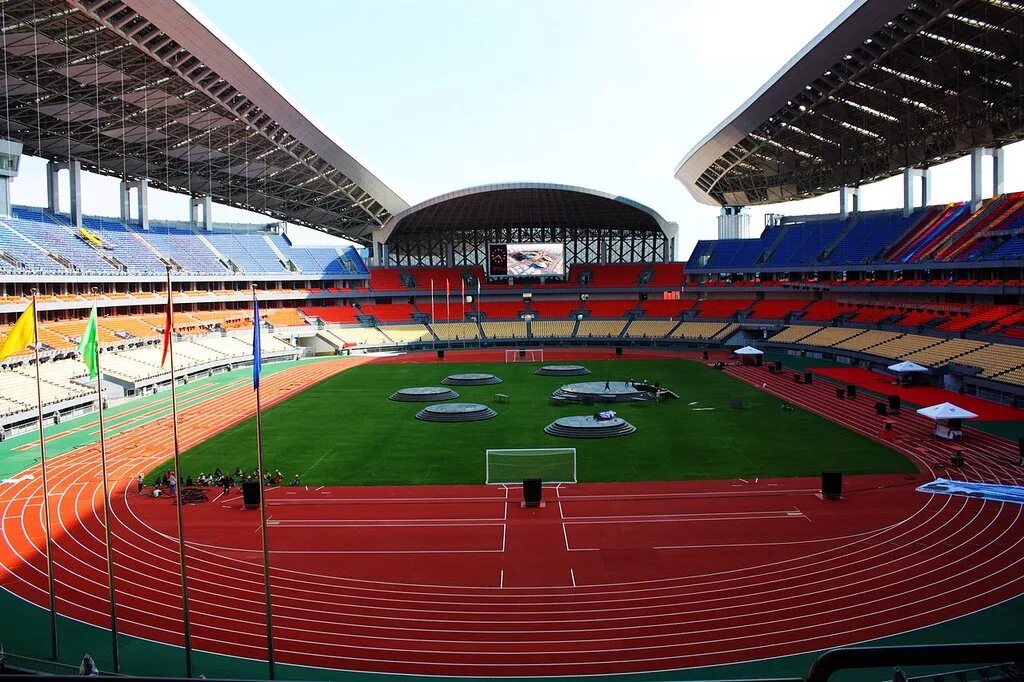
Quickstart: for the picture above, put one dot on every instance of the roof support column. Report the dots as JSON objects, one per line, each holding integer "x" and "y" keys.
{"x": 601, "y": 250}
{"x": 449, "y": 255}
{"x": 141, "y": 187}
{"x": 909, "y": 174}
{"x": 10, "y": 161}
{"x": 849, "y": 201}
{"x": 194, "y": 204}
{"x": 978, "y": 155}
{"x": 74, "y": 169}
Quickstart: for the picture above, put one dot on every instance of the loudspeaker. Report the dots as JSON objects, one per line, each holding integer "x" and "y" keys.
{"x": 851, "y": 391}
{"x": 251, "y": 493}
{"x": 531, "y": 492}
{"x": 618, "y": 351}
{"x": 807, "y": 377}
{"x": 881, "y": 409}
{"x": 440, "y": 355}
{"x": 894, "y": 403}
{"x": 831, "y": 484}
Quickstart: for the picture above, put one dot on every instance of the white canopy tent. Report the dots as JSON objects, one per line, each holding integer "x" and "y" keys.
{"x": 907, "y": 366}
{"x": 748, "y": 350}
{"x": 947, "y": 418}
{"x": 946, "y": 411}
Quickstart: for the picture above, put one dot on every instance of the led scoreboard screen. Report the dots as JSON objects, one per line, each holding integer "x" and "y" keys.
{"x": 526, "y": 260}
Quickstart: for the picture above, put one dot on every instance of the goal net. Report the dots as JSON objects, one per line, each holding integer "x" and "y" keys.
{"x": 525, "y": 355}
{"x": 551, "y": 465}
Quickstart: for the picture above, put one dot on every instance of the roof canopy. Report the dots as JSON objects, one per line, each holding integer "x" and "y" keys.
{"x": 540, "y": 206}
{"x": 946, "y": 411}
{"x": 149, "y": 89}
{"x": 889, "y": 84}
{"x": 748, "y": 350}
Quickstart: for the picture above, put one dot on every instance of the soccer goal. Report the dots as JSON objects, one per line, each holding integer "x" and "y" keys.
{"x": 525, "y": 355}
{"x": 551, "y": 465}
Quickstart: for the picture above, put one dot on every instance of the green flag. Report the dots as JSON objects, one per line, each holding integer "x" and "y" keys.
{"x": 87, "y": 347}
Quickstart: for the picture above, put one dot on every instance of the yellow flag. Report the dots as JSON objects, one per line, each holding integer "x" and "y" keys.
{"x": 22, "y": 333}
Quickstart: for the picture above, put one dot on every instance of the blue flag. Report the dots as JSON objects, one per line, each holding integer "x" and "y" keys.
{"x": 257, "y": 365}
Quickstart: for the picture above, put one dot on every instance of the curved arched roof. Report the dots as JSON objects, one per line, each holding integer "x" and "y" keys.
{"x": 889, "y": 84}
{"x": 523, "y": 204}
{"x": 151, "y": 89}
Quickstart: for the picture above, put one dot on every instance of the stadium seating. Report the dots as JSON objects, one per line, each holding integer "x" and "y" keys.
{"x": 722, "y": 307}
{"x": 600, "y": 328}
{"x": 386, "y": 279}
{"x": 671, "y": 308}
{"x": 606, "y": 308}
{"x": 406, "y": 333}
{"x": 557, "y": 329}
{"x": 651, "y": 329}
{"x": 499, "y": 310}
{"x": 776, "y": 309}
{"x": 553, "y": 310}
{"x": 701, "y": 330}
{"x": 504, "y": 330}
{"x": 338, "y": 314}
{"x": 616, "y": 275}
{"x": 389, "y": 312}
{"x": 451, "y": 331}
{"x": 667, "y": 275}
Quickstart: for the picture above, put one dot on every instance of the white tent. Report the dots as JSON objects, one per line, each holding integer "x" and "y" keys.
{"x": 748, "y": 350}
{"x": 907, "y": 366}
{"x": 946, "y": 411}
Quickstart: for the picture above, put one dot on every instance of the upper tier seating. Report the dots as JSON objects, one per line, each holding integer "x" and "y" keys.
{"x": 386, "y": 279}
{"x": 805, "y": 239}
{"x": 666, "y": 307}
{"x": 868, "y": 235}
{"x": 553, "y": 310}
{"x": 336, "y": 314}
{"x": 615, "y": 275}
{"x": 722, "y": 307}
{"x": 423, "y": 277}
{"x": 389, "y": 312}
{"x": 250, "y": 252}
{"x": 500, "y": 310}
{"x": 610, "y": 307}
{"x": 776, "y": 309}
{"x": 667, "y": 275}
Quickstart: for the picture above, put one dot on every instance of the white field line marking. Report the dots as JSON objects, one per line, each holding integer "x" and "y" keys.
{"x": 572, "y": 577}
{"x": 501, "y": 579}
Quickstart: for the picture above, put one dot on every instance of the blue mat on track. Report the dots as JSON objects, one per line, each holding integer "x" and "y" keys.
{"x": 985, "y": 491}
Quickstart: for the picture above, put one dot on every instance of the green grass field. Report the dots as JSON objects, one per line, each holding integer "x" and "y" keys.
{"x": 345, "y": 431}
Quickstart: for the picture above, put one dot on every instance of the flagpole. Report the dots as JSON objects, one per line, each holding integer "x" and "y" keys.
{"x": 177, "y": 475}
{"x": 448, "y": 300}
{"x": 263, "y": 499}
{"x": 106, "y": 512}
{"x": 46, "y": 487}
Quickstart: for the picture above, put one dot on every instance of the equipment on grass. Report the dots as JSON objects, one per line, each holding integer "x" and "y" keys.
{"x": 531, "y": 492}
{"x": 511, "y": 466}
{"x": 440, "y": 355}
{"x": 851, "y": 391}
{"x": 525, "y": 355}
{"x": 807, "y": 377}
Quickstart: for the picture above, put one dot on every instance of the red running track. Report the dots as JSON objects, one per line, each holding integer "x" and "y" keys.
{"x": 459, "y": 580}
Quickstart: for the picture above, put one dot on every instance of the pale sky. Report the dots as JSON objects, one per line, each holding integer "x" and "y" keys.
{"x": 437, "y": 95}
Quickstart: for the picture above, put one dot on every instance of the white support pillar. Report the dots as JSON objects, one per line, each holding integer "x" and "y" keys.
{"x": 140, "y": 187}
{"x": 52, "y": 187}
{"x": 74, "y": 169}
{"x": 449, "y": 255}
{"x": 909, "y": 175}
{"x": 75, "y": 183}
{"x": 601, "y": 249}
{"x": 998, "y": 170}
{"x": 849, "y": 201}
{"x": 10, "y": 161}
{"x": 204, "y": 203}
{"x": 978, "y": 155}
{"x": 124, "y": 201}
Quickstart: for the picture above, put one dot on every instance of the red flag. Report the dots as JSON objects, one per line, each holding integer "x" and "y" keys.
{"x": 167, "y": 330}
